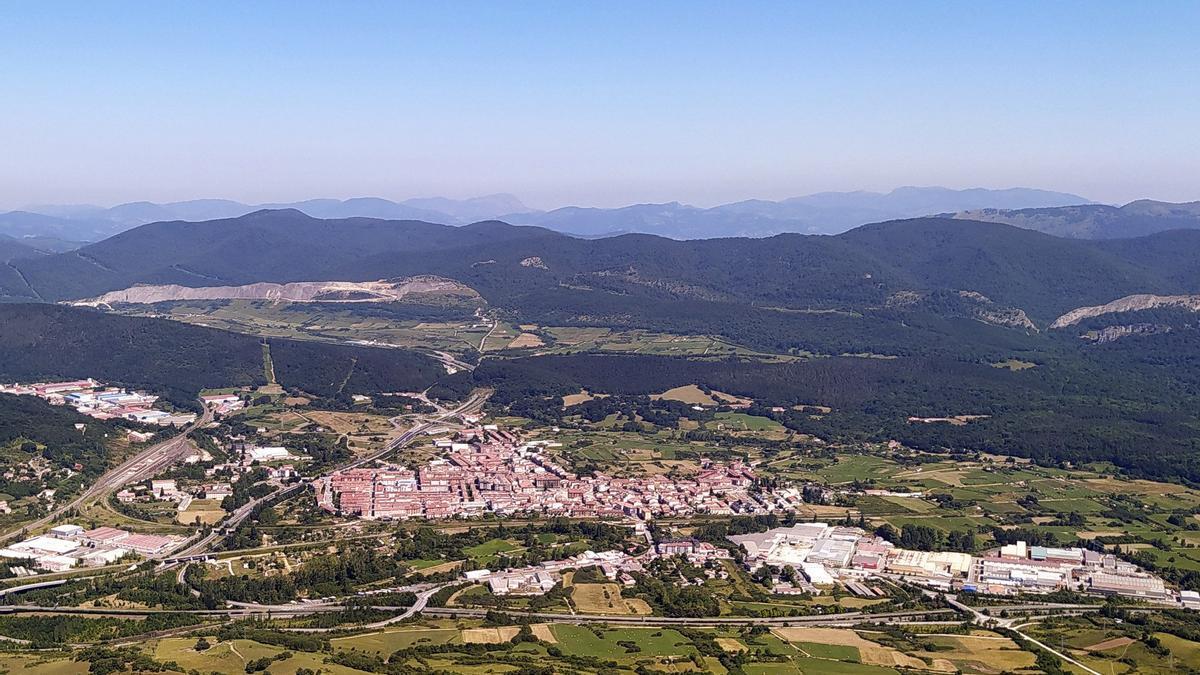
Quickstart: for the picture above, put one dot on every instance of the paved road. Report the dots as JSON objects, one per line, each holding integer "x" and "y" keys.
{"x": 979, "y": 617}
{"x": 843, "y": 618}
{"x": 448, "y": 359}
{"x": 37, "y": 584}
{"x": 424, "y": 593}
{"x": 305, "y": 609}
{"x": 139, "y": 467}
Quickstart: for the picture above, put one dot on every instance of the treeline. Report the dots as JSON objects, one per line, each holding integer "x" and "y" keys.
{"x": 328, "y": 370}
{"x": 48, "y": 632}
{"x": 41, "y": 341}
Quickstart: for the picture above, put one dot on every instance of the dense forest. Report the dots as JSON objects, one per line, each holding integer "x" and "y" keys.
{"x": 1137, "y": 412}
{"x": 40, "y": 341}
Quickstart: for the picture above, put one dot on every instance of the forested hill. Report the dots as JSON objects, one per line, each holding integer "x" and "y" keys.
{"x": 522, "y": 267}
{"x": 11, "y": 248}
{"x": 41, "y": 341}
{"x": 280, "y": 246}
{"x": 30, "y": 425}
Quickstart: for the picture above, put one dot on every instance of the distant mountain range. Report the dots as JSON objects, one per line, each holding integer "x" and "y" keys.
{"x": 72, "y": 225}
{"x": 1096, "y": 221}
{"x": 822, "y": 213}
{"x": 62, "y": 227}
{"x": 53, "y": 229}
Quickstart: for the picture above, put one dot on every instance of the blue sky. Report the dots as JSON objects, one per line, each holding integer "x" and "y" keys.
{"x": 594, "y": 103}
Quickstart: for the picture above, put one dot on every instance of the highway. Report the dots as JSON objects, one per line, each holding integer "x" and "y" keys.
{"x": 309, "y": 608}
{"x": 813, "y": 619}
{"x": 139, "y": 467}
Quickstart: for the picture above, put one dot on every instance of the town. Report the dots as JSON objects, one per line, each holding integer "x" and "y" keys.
{"x": 491, "y": 470}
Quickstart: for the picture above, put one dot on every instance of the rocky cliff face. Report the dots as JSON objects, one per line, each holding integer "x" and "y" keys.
{"x": 1114, "y": 333}
{"x": 964, "y": 303}
{"x": 1129, "y": 303}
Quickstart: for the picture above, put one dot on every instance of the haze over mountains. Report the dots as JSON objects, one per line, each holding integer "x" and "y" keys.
{"x": 822, "y": 213}
{"x": 62, "y": 227}
{"x": 85, "y": 223}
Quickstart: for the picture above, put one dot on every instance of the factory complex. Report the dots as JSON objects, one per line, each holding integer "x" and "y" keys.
{"x": 68, "y": 546}
{"x": 822, "y": 555}
{"x": 100, "y": 401}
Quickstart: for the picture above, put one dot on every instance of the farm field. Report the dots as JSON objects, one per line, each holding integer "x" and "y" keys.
{"x": 204, "y": 511}
{"x": 330, "y": 323}
{"x": 605, "y": 599}
{"x": 584, "y": 641}
{"x": 694, "y": 395}
{"x": 388, "y": 641}
{"x": 1107, "y": 646}
{"x": 566, "y": 340}
{"x": 232, "y": 657}
{"x": 869, "y": 653}
{"x": 1101, "y": 643}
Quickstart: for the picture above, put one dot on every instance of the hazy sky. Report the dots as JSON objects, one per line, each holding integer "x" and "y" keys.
{"x": 601, "y": 103}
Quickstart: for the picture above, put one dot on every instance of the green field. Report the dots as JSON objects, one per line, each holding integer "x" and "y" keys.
{"x": 823, "y": 651}
{"x": 581, "y": 641}
{"x": 490, "y": 548}
{"x": 388, "y": 641}
{"x": 736, "y": 421}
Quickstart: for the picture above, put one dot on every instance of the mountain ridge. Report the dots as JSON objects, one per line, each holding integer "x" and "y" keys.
{"x": 1014, "y": 268}
{"x": 826, "y": 212}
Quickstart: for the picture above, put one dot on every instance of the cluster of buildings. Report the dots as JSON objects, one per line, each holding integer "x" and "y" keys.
{"x": 491, "y": 470}
{"x": 97, "y": 400}
{"x": 223, "y": 404}
{"x": 826, "y": 555}
{"x": 216, "y": 484}
{"x": 617, "y": 566}
{"x": 37, "y": 470}
{"x": 819, "y": 554}
{"x": 169, "y": 490}
{"x": 68, "y": 546}
{"x": 1022, "y": 568}
{"x": 244, "y": 456}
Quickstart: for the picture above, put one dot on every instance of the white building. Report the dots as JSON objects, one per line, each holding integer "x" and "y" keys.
{"x": 66, "y": 531}
{"x": 268, "y": 454}
{"x": 56, "y": 563}
{"x": 46, "y": 546}
{"x": 103, "y": 557}
{"x": 816, "y": 574}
